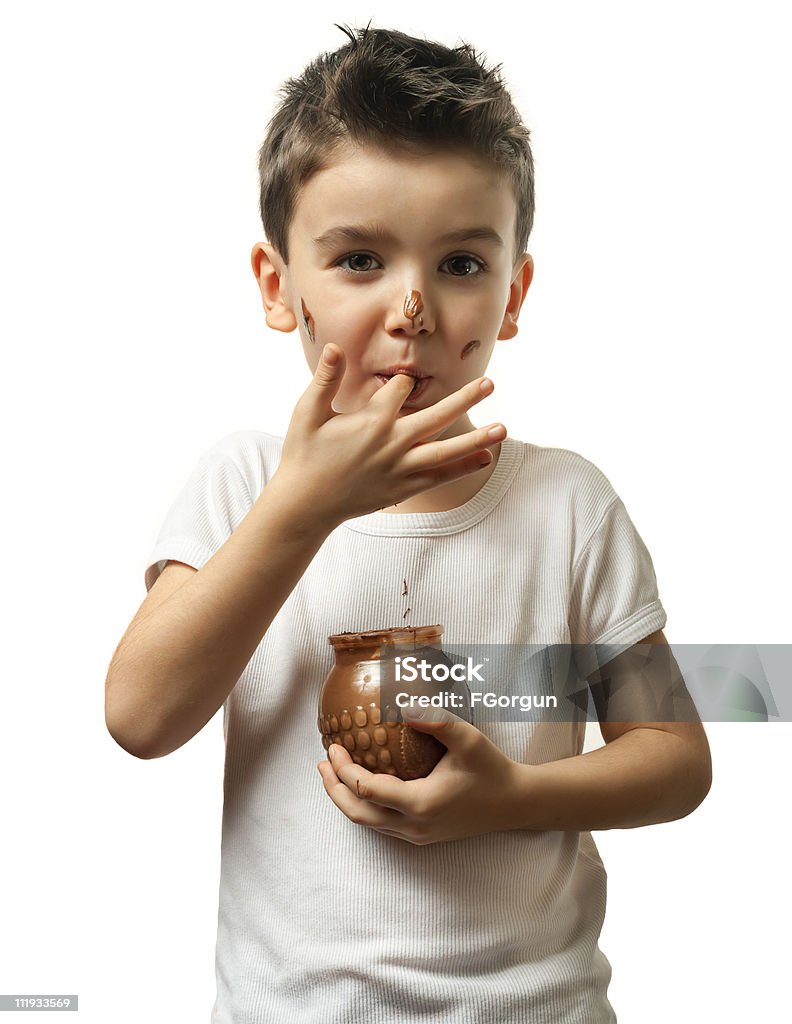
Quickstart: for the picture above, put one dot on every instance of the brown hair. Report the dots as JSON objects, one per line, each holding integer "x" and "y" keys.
{"x": 392, "y": 90}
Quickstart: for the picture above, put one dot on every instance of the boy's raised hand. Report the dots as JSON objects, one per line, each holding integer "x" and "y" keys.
{"x": 474, "y": 788}
{"x": 349, "y": 464}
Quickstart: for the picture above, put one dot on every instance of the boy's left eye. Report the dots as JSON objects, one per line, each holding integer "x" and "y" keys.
{"x": 461, "y": 270}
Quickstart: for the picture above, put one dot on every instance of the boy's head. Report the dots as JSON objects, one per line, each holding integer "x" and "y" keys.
{"x": 409, "y": 142}
{"x": 389, "y": 89}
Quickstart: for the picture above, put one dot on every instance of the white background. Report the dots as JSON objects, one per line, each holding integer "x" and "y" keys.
{"x": 651, "y": 342}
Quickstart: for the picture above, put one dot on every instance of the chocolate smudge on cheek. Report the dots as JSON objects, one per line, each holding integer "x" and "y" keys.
{"x": 413, "y": 305}
{"x": 470, "y": 347}
{"x": 308, "y": 320}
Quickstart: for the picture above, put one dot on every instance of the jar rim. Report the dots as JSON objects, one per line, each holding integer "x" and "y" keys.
{"x": 395, "y": 635}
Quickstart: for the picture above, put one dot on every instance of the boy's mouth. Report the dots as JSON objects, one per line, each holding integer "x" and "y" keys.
{"x": 420, "y": 379}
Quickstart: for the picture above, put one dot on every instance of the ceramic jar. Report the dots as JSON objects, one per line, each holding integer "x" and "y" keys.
{"x": 354, "y": 712}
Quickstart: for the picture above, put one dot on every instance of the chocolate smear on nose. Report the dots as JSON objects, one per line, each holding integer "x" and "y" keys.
{"x": 413, "y": 305}
{"x": 470, "y": 347}
{"x": 308, "y": 320}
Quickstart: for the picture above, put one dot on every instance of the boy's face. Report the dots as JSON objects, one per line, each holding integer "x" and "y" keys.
{"x": 374, "y": 269}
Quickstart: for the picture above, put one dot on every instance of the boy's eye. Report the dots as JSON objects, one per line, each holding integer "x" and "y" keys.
{"x": 460, "y": 266}
{"x": 360, "y": 262}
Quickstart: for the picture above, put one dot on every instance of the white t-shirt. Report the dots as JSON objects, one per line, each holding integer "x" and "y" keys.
{"x": 321, "y": 919}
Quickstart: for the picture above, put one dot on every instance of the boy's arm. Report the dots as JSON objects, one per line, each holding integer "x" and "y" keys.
{"x": 647, "y": 773}
{"x": 196, "y": 631}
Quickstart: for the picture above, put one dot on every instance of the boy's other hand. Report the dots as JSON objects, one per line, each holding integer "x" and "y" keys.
{"x": 474, "y": 788}
{"x": 349, "y": 464}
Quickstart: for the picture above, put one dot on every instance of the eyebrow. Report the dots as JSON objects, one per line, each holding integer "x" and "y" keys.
{"x": 374, "y": 233}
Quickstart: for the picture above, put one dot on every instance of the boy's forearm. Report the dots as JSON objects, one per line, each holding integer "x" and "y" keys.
{"x": 644, "y": 777}
{"x": 175, "y": 667}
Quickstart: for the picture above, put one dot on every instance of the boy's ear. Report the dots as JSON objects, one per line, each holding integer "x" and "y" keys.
{"x": 517, "y": 292}
{"x": 270, "y": 273}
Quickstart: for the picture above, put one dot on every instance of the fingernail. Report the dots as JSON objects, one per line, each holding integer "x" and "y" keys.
{"x": 331, "y": 752}
{"x": 487, "y": 385}
{"x": 329, "y": 355}
{"x": 484, "y": 460}
{"x": 495, "y": 433}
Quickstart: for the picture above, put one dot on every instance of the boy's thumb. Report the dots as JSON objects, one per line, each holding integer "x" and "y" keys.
{"x": 329, "y": 364}
{"x": 454, "y": 732}
{"x": 326, "y": 379}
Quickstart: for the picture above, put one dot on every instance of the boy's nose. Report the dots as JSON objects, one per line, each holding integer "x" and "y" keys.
{"x": 412, "y": 317}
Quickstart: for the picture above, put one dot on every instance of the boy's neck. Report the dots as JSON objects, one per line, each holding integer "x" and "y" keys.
{"x": 450, "y": 495}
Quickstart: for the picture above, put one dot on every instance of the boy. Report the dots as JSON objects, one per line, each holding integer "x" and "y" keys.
{"x": 397, "y": 197}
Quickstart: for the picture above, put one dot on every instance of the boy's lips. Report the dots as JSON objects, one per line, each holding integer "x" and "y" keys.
{"x": 410, "y": 371}
{"x": 422, "y": 381}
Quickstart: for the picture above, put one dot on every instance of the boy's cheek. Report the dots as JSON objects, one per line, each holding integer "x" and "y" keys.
{"x": 319, "y": 327}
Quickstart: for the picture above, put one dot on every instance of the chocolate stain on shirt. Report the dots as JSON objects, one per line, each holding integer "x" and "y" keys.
{"x": 413, "y": 305}
{"x": 470, "y": 347}
{"x": 308, "y": 320}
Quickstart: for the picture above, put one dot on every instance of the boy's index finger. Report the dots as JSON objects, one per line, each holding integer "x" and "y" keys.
{"x": 393, "y": 395}
{"x": 384, "y": 790}
{"x": 424, "y": 424}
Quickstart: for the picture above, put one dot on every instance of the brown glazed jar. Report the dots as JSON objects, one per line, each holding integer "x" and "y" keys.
{"x": 351, "y": 711}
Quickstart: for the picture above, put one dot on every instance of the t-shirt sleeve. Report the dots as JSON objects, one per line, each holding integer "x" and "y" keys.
{"x": 614, "y": 600}
{"x": 211, "y": 504}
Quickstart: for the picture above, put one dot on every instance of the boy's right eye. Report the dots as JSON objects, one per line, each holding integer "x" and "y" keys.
{"x": 356, "y": 258}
